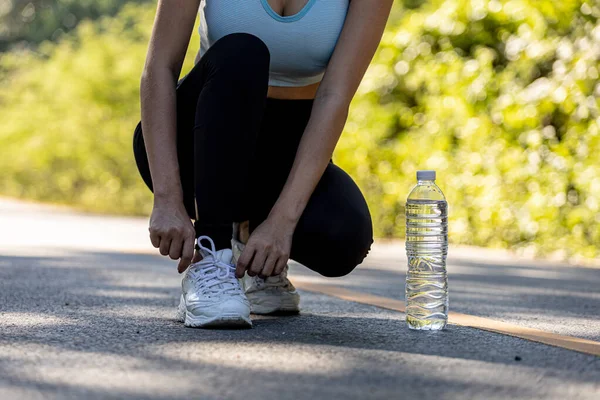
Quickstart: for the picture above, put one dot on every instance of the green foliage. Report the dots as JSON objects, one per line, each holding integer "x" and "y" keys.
{"x": 68, "y": 114}
{"x": 29, "y": 22}
{"x": 500, "y": 97}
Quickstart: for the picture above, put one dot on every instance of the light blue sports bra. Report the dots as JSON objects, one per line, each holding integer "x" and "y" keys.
{"x": 300, "y": 44}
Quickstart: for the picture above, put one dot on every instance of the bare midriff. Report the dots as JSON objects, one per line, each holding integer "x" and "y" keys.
{"x": 293, "y": 93}
{"x": 285, "y": 92}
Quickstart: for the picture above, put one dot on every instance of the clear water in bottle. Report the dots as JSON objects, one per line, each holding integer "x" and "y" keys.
{"x": 426, "y": 249}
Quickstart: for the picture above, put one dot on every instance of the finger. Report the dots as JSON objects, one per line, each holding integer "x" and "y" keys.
{"x": 175, "y": 248}
{"x": 258, "y": 262}
{"x": 165, "y": 245}
{"x": 280, "y": 265}
{"x": 269, "y": 266}
{"x": 197, "y": 257}
{"x": 244, "y": 261}
{"x": 187, "y": 254}
{"x": 154, "y": 239}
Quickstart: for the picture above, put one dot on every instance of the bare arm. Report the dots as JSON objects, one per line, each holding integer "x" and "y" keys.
{"x": 356, "y": 46}
{"x": 168, "y": 44}
{"x": 170, "y": 228}
{"x": 364, "y": 26}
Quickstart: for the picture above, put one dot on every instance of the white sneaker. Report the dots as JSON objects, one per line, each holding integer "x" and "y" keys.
{"x": 211, "y": 295}
{"x": 276, "y": 294}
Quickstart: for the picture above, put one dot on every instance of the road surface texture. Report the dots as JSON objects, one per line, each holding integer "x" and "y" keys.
{"x": 87, "y": 312}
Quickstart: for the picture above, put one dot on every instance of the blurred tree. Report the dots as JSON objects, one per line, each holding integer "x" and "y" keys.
{"x": 68, "y": 113}
{"x": 500, "y": 97}
{"x": 29, "y": 22}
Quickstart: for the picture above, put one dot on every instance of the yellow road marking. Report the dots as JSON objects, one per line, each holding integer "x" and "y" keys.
{"x": 486, "y": 324}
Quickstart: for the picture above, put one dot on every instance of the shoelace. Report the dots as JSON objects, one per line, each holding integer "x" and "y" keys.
{"x": 277, "y": 281}
{"x": 211, "y": 275}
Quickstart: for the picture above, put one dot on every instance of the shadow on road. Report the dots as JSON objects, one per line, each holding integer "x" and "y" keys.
{"x": 540, "y": 297}
{"x": 103, "y": 309}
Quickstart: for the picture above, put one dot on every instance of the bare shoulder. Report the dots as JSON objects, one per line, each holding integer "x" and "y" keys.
{"x": 171, "y": 33}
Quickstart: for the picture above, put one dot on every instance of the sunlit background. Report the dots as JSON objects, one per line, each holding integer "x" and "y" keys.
{"x": 500, "y": 97}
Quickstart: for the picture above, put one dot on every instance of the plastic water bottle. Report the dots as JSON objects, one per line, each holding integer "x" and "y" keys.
{"x": 426, "y": 249}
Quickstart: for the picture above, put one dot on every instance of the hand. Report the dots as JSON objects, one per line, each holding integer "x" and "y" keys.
{"x": 267, "y": 251}
{"x": 172, "y": 232}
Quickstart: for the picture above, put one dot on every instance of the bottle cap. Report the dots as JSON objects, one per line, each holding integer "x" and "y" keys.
{"x": 426, "y": 175}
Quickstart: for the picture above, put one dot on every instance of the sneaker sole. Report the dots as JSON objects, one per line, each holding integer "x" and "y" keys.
{"x": 286, "y": 306}
{"x": 219, "y": 321}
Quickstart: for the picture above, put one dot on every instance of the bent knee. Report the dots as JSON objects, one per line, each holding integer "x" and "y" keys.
{"x": 240, "y": 50}
{"x": 346, "y": 261}
{"x": 345, "y": 245}
{"x": 341, "y": 254}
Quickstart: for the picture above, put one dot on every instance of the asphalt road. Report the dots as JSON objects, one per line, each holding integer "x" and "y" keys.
{"x": 82, "y": 316}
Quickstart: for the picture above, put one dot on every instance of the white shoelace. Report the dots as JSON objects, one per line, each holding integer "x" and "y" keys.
{"x": 277, "y": 281}
{"x": 212, "y": 276}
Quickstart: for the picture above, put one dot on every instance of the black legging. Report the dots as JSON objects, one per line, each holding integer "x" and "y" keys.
{"x": 236, "y": 148}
